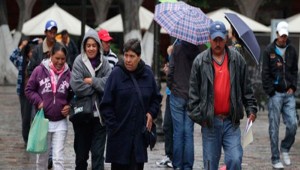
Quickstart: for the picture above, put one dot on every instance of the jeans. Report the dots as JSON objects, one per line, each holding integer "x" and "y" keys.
{"x": 183, "y": 134}
{"x": 222, "y": 134}
{"x": 89, "y": 137}
{"x": 26, "y": 109}
{"x": 168, "y": 129}
{"x": 56, "y": 140}
{"x": 282, "y": 103}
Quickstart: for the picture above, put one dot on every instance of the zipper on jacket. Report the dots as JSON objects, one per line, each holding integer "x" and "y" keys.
{"x": 54, "y": 98}
{"x": 283, "y": 67}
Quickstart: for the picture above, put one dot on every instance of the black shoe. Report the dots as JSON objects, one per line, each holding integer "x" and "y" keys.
{"x": 50, "y": 163}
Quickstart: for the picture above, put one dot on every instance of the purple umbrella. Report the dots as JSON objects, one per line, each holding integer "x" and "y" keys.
{"x": 183, "y": 21}
{"x": 245, "y": 34}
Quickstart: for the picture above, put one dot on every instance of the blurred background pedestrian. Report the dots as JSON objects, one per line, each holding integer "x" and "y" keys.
{"x": 20, "y": 58}
{"x": 71, "y": 47}
{"x": 107, "y": 52}
{"x": 42, "y": 50}
{"x": 178, "y": 77}
{"x": 167, "y": 121}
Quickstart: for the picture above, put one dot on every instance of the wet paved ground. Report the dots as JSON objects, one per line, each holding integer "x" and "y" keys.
{"x": 14, "y": 157}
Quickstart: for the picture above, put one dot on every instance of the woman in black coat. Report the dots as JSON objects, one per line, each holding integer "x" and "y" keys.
{"x": 124, "y": 114}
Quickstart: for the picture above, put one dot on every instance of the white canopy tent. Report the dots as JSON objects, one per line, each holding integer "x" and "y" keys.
{"x": 64, "y": 20}
{"x": 293, "y": 22}
{"x": 115, "y": 24}
{"x": 220, "y": 16}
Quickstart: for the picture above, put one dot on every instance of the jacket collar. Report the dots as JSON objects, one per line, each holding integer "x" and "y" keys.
{"x": 208, "y": 60}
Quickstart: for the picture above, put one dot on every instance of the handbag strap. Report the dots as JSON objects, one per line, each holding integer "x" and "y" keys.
{"x": 138, "y": 90}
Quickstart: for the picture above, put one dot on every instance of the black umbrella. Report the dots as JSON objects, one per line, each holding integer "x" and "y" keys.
{"x": 245, "y": 34}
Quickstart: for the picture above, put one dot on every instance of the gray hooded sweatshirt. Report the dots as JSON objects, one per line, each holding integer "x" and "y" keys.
{"x": 82, "y": 68}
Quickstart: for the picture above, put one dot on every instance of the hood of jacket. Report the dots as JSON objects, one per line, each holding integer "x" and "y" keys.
{"x": 91, "y": 33}
{"x": 46, "y": 62}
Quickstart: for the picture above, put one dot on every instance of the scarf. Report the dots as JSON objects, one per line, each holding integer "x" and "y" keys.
{"x": 95, "y": 61}
{"x": 55, "y": 75}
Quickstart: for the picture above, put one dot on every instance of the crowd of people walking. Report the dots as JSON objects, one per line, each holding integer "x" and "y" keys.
{"x": 120, "y": 99}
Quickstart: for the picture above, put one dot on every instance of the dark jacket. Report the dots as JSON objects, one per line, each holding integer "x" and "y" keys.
{"x": 123, "y": 115}
{"x": 279, "y": 74}
{"x": 180, "y": 66}
{"x": 38, "y": 54}
{"x": 72, "y": 52}
{"x": 39, "y": 89}
{"x": 201, "y": 92}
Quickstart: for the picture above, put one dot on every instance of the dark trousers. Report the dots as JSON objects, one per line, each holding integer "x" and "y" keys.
{"x": 133, "y": 165}
{"x": 168, "y": 129}
{"x": 89, "y": 137}
{"x": 26, "y": 109}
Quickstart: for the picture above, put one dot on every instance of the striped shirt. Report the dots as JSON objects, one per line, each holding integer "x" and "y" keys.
{"x": 112, "y": 58}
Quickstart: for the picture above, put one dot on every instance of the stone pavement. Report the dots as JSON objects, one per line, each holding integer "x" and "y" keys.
{"x": 14, "y": 157}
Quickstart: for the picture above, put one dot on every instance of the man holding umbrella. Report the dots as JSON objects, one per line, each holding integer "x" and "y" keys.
{"x": 219, "y": 88}
{"x": 279, "y": 77}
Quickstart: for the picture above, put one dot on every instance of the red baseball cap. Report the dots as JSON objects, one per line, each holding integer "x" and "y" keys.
{"x": 104, "y": 35}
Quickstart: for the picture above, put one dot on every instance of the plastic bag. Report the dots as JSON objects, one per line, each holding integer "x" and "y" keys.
{"x": 37, "y": 138}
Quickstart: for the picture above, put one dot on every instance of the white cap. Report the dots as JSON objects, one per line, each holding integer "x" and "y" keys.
{"x": 282, "y": 28}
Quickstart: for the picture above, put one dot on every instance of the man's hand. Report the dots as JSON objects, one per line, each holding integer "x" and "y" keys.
{"x": 23, "y": 44}
{"x": 166, "y": 68}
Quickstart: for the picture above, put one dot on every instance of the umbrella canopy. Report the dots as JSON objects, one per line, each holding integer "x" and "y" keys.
{"x": 220, "y": 16}
{"x": 245, "y": 34}
{"x": 183, "y": 21}
{"x": 64, "y": 20}
{"x": 163, "y": 1}
{"x": 115, "y": 24}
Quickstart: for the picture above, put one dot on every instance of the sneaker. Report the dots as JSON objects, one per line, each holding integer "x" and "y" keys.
{"x": 286, "y": 158}
{"x": 163, "y": 162}
{"x": 278, "y": 165}
{"x": 169, "y": 164}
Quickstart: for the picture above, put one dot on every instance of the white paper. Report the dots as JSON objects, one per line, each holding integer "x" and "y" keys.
{"x": 248, "y": 135}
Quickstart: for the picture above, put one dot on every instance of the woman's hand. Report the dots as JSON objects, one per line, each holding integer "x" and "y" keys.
{"x": 88, "y": 80}
{"x": 149, "y": 122}
{"x": 41, "y": 105}
{"x": 66, "y": 110}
